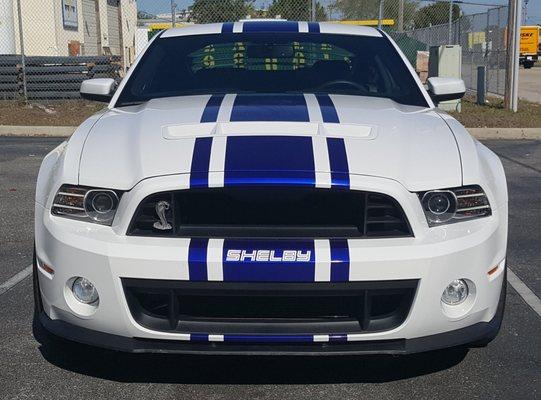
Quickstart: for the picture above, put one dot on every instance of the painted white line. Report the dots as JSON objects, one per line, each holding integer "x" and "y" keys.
{"x": 4, "y": 287}
{"x": 524, "y": 291}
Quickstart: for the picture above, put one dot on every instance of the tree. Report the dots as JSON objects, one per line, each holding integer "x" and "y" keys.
{"x": 205, "y": 11}
{"x": 435, "y": 14}
{"x": 296, "y": 10}
{"x": 358, "y": 9}
{"x": 369, "y": 10}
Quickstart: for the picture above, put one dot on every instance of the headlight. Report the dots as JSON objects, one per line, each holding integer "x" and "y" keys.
{"x": 453, "y": 205}
{"x": 86, "y": 204}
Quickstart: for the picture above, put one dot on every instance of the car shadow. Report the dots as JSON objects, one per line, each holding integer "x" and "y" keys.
{"x": 211, "y": 369}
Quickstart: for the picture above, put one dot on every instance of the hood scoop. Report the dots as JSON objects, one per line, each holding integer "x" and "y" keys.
{"x": 183, "y": 131}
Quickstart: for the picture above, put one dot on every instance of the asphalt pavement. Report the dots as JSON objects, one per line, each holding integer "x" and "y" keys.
{"x": 33, "y": 366}
{"x": 529, "y": 84}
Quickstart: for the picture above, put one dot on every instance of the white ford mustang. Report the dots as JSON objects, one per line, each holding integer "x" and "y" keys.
{"x": 271, "y": 187}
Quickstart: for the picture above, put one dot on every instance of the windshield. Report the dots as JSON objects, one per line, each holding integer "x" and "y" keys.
{"x": 272, "y": 63}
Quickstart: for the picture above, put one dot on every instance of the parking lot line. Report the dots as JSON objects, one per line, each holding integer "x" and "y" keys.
{"x": 4, "y": 287}
{"x": 524, "y": 291}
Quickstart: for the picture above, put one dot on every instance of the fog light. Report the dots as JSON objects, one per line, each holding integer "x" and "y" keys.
{"x": 455, "y": 293}
{"x": 84, "y": 291}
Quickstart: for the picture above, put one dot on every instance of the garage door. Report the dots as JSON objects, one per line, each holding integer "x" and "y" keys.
{"x": 90, "y": 27}
{"x": 114, "y": 29}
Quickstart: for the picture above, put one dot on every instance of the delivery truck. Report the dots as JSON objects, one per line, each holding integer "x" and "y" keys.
{"x": 529, "y": 45}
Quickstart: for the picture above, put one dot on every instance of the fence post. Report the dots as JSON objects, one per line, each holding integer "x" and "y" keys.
{"x": 481, "y": 85}
{"x": 313, "y": 15}
{"x": 173, "y": 7}
{"x": 380, "y": 14}
{"x": 21, "y": 40}
{"x": 471, "y": 68}
{"x": 450, "y": 37}
{"x": 400, "y": 15}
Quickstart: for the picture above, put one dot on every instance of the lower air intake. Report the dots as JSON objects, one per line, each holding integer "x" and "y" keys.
{"x": 264, "y": 308}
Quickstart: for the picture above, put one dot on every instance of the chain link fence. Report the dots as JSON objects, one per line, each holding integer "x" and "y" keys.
{"x": 482, "y": 37}
{"x": 48, "y": 47}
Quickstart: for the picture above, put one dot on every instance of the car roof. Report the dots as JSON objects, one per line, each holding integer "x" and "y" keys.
{"x": 272, "y": 26}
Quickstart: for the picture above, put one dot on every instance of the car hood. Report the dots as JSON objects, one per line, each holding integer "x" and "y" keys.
{"x": 271, "y": 137}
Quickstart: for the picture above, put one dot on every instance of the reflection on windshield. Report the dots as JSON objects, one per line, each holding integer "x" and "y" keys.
{"x": 272, "y": 63}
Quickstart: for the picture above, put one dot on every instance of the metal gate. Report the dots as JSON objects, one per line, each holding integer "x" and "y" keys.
{"x": 90, "y": 26}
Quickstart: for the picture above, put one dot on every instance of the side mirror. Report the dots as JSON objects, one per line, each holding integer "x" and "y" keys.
{"x": 443, "y": 89}
{"x": 98, "y": 89}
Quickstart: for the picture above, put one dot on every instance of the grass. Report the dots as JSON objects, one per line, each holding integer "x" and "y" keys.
{"x": 493, "y": 114}
{"x": 54, "y": 113}
{"x": 74, "y": 112}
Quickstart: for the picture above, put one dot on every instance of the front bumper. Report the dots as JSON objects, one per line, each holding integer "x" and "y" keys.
{"x": 434, "y": 257}
{"x": 471, "y": 334}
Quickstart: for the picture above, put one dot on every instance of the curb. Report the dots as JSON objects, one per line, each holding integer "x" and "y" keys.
{"x": 506, "y": 133}
{"x": 65, "y": 131}
{"x": 37, "y": 131}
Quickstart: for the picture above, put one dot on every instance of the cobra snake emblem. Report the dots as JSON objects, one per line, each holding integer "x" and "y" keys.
{"x": 162, "y": 224}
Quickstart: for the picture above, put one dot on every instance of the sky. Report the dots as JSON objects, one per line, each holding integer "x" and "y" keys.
{"x": 533, "y": 7}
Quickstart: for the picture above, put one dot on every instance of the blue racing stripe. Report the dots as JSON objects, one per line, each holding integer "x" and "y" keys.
{"x": 227, "y": 27}
{"x": 338, "y": 337}
{"x": 268, "y": 338}
{"x": 269, "y": 178}
{"x": 199, "y": 174}
{"x": 328, "y": 111}
{"x": 270, "y": 26}
{"x": 199, "y": 337}
{"x": 339, "y": 260}
{"x": 270, "y": 107}
{"x": 338, "y": 162}
{"x": 210, "y": 113}
{"x": 269, "y": 160}
{"x": 197, "y": 259}
{"x": 278, "y": 260}
{"x": 313, "y": 27}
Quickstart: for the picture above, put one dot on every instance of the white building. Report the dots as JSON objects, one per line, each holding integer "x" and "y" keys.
{"x": 70, "y": 27}
{"x": 180, "y": 15}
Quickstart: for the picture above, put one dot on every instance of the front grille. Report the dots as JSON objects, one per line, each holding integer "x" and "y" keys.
{"x": 269, "y": 308}
{"x": 266, "y": 212}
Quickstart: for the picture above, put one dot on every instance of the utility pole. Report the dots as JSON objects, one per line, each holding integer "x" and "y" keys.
{"x": 400, "y": 15}
{"x": 513, "y": 50}
{"x": 313, "y": 11}
{"x": 525, "y": 11}
{"x": 450, "y": 34}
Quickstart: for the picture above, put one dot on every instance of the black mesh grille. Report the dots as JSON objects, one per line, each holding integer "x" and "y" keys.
{"x": 265, "y": 212}
{"x": 238, "y": 307}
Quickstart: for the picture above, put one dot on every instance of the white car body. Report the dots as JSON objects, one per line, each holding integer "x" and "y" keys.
{"x": 393, "y": 149}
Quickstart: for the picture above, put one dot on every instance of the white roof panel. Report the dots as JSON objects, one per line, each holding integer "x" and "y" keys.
{"x": 324, "y": 27}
